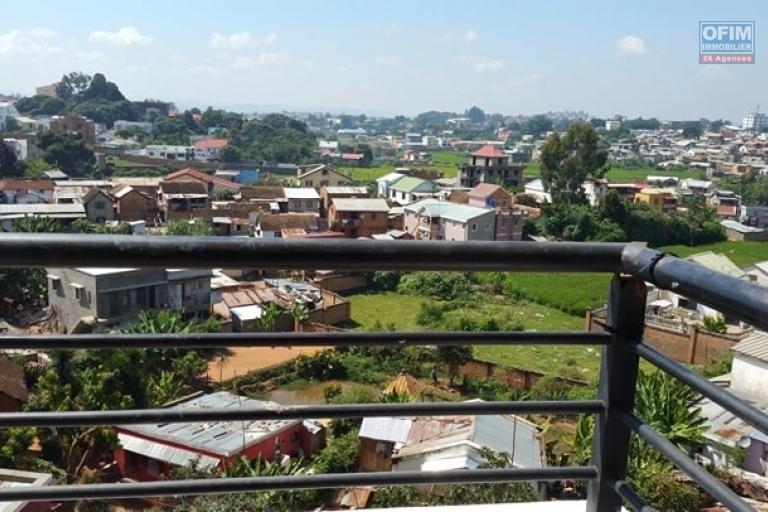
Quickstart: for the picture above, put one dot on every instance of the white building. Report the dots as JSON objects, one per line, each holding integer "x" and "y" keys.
{"x": 122, "y": 125}
{"x": 6, "y": 110}
{"x": 754, "y": 121}
{"x": 20, "y": 147}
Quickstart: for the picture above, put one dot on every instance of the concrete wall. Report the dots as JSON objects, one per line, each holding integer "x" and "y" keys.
{"x": 341, "y": 283}
{"x": 750, "y": 376}
{"x": 484, "y": 225}
{"x": 100, "y": 214}
{"x": 62, "y": 296}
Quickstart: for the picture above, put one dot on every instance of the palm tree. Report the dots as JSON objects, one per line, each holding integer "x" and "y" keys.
{"x": 269, "y": 318}
{"x": 36, "y": 225}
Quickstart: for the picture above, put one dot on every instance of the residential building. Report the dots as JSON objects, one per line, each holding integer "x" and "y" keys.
{"x": 595, "y": 190}
{"x": 16, "y": 479}
{"x": 410, "y": 189}
{"x": 738, "y": 232}
{"x": 447, "y": 442}
{"x": 213, "y": 185}
{"x": 663, "y": 200}
{"x": 133, "y": 205}
{"x": 64, "y": 213}
{"x": 489, "y": 164}
{"x": 99, "y": 206}
{"x": 302, "y": 200}
{"x": 698, "y": 187}
{"x": 508, "y": 225}
{"x": 385, "y": 182}
{"x": 75, "y": 124}
{"x": 208, "y": 149}
{"x": 321, "y": 176}
{"x": 359, "y": 217}
{"x": 50, "y": 90}
{"x": 755, "y": 122}
{"x": 122, "y": 125}
{"x": 109, "y": 296}
{"x": 26, "y": 191}
{"x": 432, "y": 219}
{"x": 73, "y": 191}
{"x": 612, "y": 124}
{"x": 488, "y": 195}
{"x": 151, "y": 452}
{"x": 178, "y": 199}
{"x": 328, "y": 194}
{"x": 535, "y": 189}
{"x": 726, "y": 203}
{"x": 6, "y": 110}
{"x": 269, "y": 225}
{"x": 755, "y": 216}
{"x": 272, "y": 198}
{"x": 726, "y": 433}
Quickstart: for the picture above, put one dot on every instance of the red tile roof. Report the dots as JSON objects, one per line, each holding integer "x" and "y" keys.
{"x": 489, "y": 151}
{"x": 352, "y": 156}
{"x": 483, "y": 190}
{"x": 201, "y": 176}
{"x": 210, "y": 144}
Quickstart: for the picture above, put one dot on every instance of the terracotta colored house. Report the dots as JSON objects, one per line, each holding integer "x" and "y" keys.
{"x": 328, "y": 194}
{"x": 149, "y": 452}
{"x": 489, "y": 195}
{"x": 213, "y": 184}
{"x": 132, "y": 205}
{"x": 178, "y": 199}
{"x": 358, "y": 217}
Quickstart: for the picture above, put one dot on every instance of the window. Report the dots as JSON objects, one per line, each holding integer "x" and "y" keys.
{"x": 100, "y": 205}
{"x": 325, "y": 172}
{"x": 487, "y": 226}
{"x": 474, "y": 227}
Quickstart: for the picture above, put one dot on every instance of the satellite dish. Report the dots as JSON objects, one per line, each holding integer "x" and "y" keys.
{"x": 744, "y": 441}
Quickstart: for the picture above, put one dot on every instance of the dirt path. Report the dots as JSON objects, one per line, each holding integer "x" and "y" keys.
{"x": 242, "y": 360}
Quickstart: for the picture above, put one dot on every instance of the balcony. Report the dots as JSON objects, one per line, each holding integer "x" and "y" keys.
{"x": 622, "y": 349}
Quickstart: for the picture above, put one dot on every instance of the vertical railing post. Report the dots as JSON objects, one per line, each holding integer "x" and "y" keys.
{"x": 618, "y": 377}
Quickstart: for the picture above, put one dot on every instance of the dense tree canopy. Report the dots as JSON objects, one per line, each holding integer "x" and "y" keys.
{"x": 9, "y": 164}
{"x": 41, "y": 106}
{"x": 538, "y": 125}
{"x": 67, "y": 151}
{"x": 567, "y": 161}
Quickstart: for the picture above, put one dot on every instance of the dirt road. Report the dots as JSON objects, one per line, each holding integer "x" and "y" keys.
{"x": 242, "y": 360}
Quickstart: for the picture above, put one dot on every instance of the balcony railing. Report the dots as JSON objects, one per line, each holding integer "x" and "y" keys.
{"x": 622, "y": 348}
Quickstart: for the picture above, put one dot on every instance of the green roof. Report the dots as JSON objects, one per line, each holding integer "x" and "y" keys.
{"x": 447, "y": 210}
{"x": 409, "y": 184}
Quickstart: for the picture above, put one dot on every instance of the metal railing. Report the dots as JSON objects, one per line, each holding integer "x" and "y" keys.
{"x": 632, "y": 265}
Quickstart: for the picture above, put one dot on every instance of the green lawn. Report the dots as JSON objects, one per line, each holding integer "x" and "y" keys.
{"x": 741, "y": 253}
{"x": 621, "y": 175}
{"x": 401, "y": 311}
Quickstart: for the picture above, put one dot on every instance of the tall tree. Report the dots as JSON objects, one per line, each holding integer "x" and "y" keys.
{"x": 9, "y": 165}
{"x": 72, "y": 86}
{"x": 67, "y": 151}
{"x": 567, "y": 161}
{"x": 476, "y": 115}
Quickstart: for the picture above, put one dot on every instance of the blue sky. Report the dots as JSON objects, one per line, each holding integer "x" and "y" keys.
{"x": 393, "y": 56}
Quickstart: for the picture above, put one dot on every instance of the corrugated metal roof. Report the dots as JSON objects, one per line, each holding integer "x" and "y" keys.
{"x": 717, "y": 262}
{"x": 394, "y": 430}
{"x": 447, "y": 210}
{"x": 221, "y": 437}
{"x": 360, "y": 205}
{"x": 165, "y": 453}
{"x": 755, "y": 345}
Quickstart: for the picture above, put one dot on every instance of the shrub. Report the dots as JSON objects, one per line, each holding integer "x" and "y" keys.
{"x": 442, "y": 285}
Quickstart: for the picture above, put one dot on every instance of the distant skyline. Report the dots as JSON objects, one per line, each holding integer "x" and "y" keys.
{"x": 394, "y": 57}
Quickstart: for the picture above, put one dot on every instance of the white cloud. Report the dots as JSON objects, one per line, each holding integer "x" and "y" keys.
{"x": 28, "y": 42}
{"x": 124, "y": 36}
{"x": 387, "y": 61}
{"x": 480, "y": 63}
{"x": 204, "y": 71}
{"x": 631, "y": 45}
{"x": 92, "y": 56}
{"x": 240, "y": 40}
{"x": 525, "y": 79}
{"x": 469, "y": 36}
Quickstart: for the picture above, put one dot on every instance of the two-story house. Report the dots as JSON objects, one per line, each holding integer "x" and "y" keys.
{"x": 488, "y": 195}
{"x": 132, "y": 205}
{"x": 328, "y": 194}
{"x": 178, "y": 199}
{"x": 26, "y": 191}
{"x": 110, "y": 296}
{"x": 410, "y": 189}
{"x": 489, "y": 164}
{"x": 432, "y": 219}
{"x": 99, "y": 206}
{"x": 358, "y": 217}
{"x": 302, "y": 200}
{"x": 321, "y": 176}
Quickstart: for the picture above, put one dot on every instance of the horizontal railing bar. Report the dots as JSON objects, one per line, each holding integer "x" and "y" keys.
{"x": 741, "y": 299}
{"x": 743, "y": 410}
{"x": 295, "y": 339}
{"x": 290, "y": 483}
{"x": 66, "y": 250}
{"x": 184, "y": 415}
{"x": 709, "y": 483}
{"x": 628, "y": 494}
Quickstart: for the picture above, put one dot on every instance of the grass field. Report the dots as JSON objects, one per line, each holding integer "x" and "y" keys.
{"x": 400, "y": 311}
{"x": 571, "y": 292}
{"x": 741, "y": 253}
{"x": 621, "y": 175}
